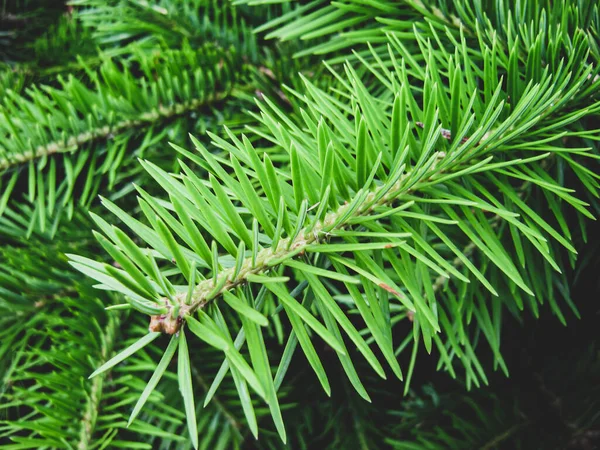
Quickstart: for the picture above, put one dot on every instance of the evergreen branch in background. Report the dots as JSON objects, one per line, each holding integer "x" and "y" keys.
{"x": 338, "y": 28}
{"x": 66, "y": 46}
{"x": 51, "y": 137}
{"x": 63, "y": 46}
{"x": 11, "y": 79}
{"x": 25, "y": 283}
{"x": 167, "y": 23}
{"x": 34, "y": 273}
{"x": 326, "y": 193}
{"x": 58, "y": 409}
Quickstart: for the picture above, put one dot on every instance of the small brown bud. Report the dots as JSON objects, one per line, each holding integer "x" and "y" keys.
{"x": 165, "y": 323}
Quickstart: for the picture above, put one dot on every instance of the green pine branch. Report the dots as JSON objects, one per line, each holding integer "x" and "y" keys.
{"x": 409, "y": 196}
{"x": 168, "y": 23}
{"x": 162, "y": 113}
{"x": 115, "y": 110}
{"x": 88, "y": 421}
{"x": 409, "y": 172}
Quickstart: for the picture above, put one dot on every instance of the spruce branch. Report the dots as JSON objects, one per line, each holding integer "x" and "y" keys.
{"x": 94, "y": 398}
{"x": 161, "y": 113}
{"x": 269, "y": 258}
{"x": 432, "y": 163}
{"x": 170, "y": 23}
{"x": 352, "y": 166}
{"x": 91, "y": 125}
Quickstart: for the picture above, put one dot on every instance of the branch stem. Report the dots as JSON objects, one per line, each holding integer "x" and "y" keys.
{"x": 288, "y": 248}
{"x": 88, "y": 421}
{"x": 104, "y": 132}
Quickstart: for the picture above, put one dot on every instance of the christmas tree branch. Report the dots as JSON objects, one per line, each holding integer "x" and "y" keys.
{"x": 162, "y": 113}
{"x": 88, "y": 421}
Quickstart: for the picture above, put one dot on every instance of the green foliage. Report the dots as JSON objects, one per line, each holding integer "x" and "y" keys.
{"x": 336, "y": 224}
{"x": 87, "y": 131}
{"x": 117, "y": 23}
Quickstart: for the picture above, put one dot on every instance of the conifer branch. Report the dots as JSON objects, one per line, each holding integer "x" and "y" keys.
{"x": 349, "y": 190}
{"x": 88, "y": 421}
{"x": 161, "y": 113}
{"x": 269, "y": 258}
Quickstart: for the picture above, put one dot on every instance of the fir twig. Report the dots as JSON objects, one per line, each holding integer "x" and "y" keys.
{"x": 88, "y": 421}
{"x": 268, "y": 258}
{"x": 105, "y": 132}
